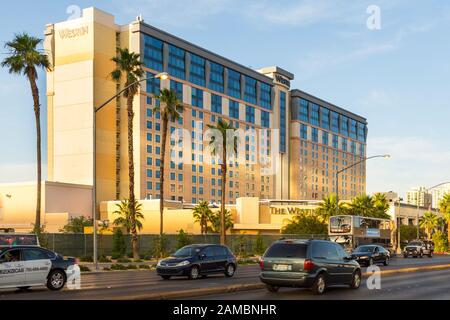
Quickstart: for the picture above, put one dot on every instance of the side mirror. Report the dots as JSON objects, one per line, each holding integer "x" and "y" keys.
{"x": 348, "y": 258}
{"x": 202, "y": 256}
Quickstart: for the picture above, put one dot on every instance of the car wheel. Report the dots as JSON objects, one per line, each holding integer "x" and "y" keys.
{"x": 56, "y": 280}
{"x": 386, "y": 261}
{"x": 272, "y": 288}
{"x": 319, "y": 285}
{"x": 230, "y": 270}
{"x": 194, "y": 273}
{"x": 356, "y": 280}
{"x": 166, "y": 277}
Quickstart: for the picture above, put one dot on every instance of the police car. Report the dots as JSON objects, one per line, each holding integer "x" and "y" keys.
{"x": 25, "y": 266}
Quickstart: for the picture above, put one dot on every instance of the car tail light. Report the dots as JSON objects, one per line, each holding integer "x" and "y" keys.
{"x": 261, "y": 264}
{"x": 308, "y": 265}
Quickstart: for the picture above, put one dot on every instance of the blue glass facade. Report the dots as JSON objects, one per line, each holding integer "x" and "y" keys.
{"x": 234, "y": 109}
{"x": 249, "y": 114}
{"x": 216, "y": 103}
{"x": 234, "y": 84}
{"x": 197, "y": 73}
{"x": 216, "y": 81}
{"x": 250, "y": 90}
{"x": 153, "y": 53}
{"x": 265, "y": 99}
{"x": 265, "y": 119}
{"x": 282, "y": 122}
{"x": 177, "y": 62}
{"x": 178, "y": 88}
{"x": 197, "y": 97}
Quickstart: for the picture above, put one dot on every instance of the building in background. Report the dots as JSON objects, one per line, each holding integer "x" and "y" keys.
{"x": 315, "y": 139}
{"x": 438, "y": 193}
{"x": 419, "y": 196}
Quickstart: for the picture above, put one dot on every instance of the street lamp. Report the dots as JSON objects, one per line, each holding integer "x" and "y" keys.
{"x": 418, "y": 204}
{"x": 163, "y": 76}
{"x": 385, "y": 156}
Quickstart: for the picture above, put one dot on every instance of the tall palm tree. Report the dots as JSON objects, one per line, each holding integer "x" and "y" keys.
{"x": 220, "y": 147}
{"x": 125, "y": 213}
{"x": 24, "y": 58}
{"x": 380, "y": 203}
{"x": 328, "y": 206}
{"x": 216, "y": 221}
{"x": 129, "y": 66}
{"x": 429, "y": 222}
{"x": 202, "y": 214}
{"x": 362, "y": 206}
{"x": 170, "y": 107}
{"x": 444, "y": 207}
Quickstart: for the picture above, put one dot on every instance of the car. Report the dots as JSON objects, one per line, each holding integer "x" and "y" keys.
{"x": 418, "y": 248}
{"x": 368, "y": 255}
{"x": 198, "y": 260}
{"x": 314, "y": 264}
{"x": 29, "y": 266}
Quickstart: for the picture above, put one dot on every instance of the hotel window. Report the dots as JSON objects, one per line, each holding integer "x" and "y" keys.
{"x": 149, "y": 125}
{"x": 172, "y": 176}
{"x": 325, "y": 137}
{"x": 149, "y": 173}
{"x": 303, "y": 131}
{"x": 149, "y": 149}
{"x": 153, "y": 53}
{"x": 234, "y": 109}
{"x": 361, "y": 150}
{"x": 353, "y": 147}
{"x": 353, "y": 128}
{"x": 149, "y": 161}
{"x": 250, "y": 90}
{"x": 265, "y": 100}
{"x": 361, "y": 132}
{"x": 265, "y": 119}
{"x": 197, "y": 98}
{"x": 216, "y": 103}
{"x": 153, "y": 87}
{"x": 325, "y": 118}
{"x": 315, "y": 134}
{"x": 314, "y": 114}
{"x": 176, "y": 62}
{"x": 216, "y": 82}
{"x": 149, "y": 185}
{"x": 249, "y": 114}
{"x": 334, "y": 122}
{"x": 178, "y": 88}
{"x": 149, "y": 137}
{"x": 282, "y": 121}
{"x": 234, "y": 84}
{"x": 335, "y": 141}
{"x": 197, "y": 70}
{"x": 304, "y": 110}
{"x": 344, "y": 125}
{"x": 344, "y": 144}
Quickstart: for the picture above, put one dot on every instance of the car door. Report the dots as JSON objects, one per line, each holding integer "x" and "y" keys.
{"x": 208, "y": 262}
{"x": 325, "y": 256}
{"x": 345, "y": 267}
{"x": 376, "y": 255}
{"x": 221, "y": 258}
{"x": 37, "y": 266}
{"x": 12, "y": 269}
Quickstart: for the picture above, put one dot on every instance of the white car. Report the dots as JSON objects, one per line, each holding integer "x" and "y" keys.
{"x": 28, "y": 266}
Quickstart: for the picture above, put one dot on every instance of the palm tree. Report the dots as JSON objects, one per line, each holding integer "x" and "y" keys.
{"x": 380, "y": 203}
{"x": 24, "y": 58}
{"x": 126, "y": 215}
{"x": 216, "y": 221}
{"x": 328, "y": 206}
{"x": 202, "y": 214}
{"x": 169, "y": 108}
{"x": 429, "y": 222}
{"x": 128, "y": 65}
{"x": 220, "y": 147}
{"x": 444, "y": 207}
{"x": 362, "y": 205}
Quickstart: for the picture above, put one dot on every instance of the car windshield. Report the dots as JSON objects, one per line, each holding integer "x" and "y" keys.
{"x": 365, "y": 249}
{"x": 187, "y": 252}
{"x": 287, "y": 250}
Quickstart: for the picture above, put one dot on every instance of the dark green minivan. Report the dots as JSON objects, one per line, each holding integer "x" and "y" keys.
{"x": 314, "y": 264}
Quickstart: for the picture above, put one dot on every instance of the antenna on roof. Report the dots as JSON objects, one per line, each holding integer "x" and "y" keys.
{"x": 140, "y": 18}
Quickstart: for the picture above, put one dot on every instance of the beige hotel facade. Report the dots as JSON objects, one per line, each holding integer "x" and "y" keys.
{"x": 313, "y": 138}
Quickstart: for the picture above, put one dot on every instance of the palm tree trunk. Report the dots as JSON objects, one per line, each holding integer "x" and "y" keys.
{"x": 132, "y": 202}
{"x": 161, "y": 177}
{"x": 222, "y": 205}
{"x": 37, "y": 114}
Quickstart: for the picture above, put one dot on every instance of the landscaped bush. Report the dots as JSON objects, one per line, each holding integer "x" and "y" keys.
{"x": 440, "y": 242}
{"x": 118, "y": 266}
{"x": 131, "y": 267}
{"x": 87, "y": 259}
{"x": 104, "y": 259}
{"x": 84, "y": 269}
{"x": 123, "y": 260}
{"x": 144, "y": 266}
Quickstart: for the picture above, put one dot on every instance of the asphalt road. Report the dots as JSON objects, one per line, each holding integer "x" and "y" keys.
{"x": 127, "y": 284}
{"x": 422, "y": 285}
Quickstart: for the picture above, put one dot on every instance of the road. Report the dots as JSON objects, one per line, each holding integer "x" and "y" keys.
{"x": 130, "y": 284}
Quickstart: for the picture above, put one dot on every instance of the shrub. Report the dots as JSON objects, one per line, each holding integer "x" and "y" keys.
{"x": 119, "y": 246}
{"x": 118, "y": 266}
{"x": 440, "y": 242}
{"x": 305, "y": 224}
{"x": 240, "y": 247}
{"x": 84, "y": 269}
{"x": 87, "y": 259}
{"x": 182, "y": 239}
{"x": 123, "y": 260}
{"x": 104, "y": 259}
{"x": 144, "y": 266}
{"x": 137, "y": 260}
{"x": 160, "y": 246}
{"x": 106, "y": 269}
{"x": 259, "y": 245}
{"x": 131, "y": 267}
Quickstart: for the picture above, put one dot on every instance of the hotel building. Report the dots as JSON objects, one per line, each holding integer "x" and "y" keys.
{"x": 313, "y": 139}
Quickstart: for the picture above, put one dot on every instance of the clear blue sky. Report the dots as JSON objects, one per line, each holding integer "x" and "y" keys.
{"x": 397, "y": 77}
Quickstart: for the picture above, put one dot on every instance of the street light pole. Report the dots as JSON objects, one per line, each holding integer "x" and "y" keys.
{"x": 163, "y": 76}
{"x": 386, "y": 156}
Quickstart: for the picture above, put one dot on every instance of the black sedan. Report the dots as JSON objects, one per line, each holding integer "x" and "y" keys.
{"x": 368, "y": 255}
{"x": 198, "y": 260}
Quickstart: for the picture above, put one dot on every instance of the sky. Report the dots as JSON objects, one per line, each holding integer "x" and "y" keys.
{"x": 397, "y": 76}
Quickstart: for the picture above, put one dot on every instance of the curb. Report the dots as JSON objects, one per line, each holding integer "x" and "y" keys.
{"x": 254, "y": 286}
